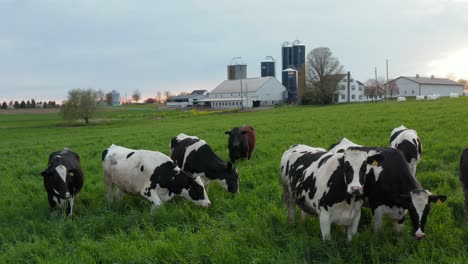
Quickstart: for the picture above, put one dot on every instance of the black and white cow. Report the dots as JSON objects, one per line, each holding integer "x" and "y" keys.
{"x": 391, "y": 189}
{"x": 194, "y": 155}
{"x": 150, "y": 174}
{"x": 325, "y": 183}
{"x": 407, "y": 141}
{"x": 63, "y": 179}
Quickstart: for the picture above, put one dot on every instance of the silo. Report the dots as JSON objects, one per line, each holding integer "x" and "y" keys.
{"x": 298, "y": 55}
{"x": 237, "y": 69}
{"x": 267, "y": 67}
{"x": 290, "y": 82}
{"x": 286, "y": 55}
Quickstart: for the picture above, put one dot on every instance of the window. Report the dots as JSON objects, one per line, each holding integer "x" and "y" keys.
{"x": 343, "y": 96}
{"x": 360, "y": 97}
{"x": 343, "y": 87}
{"x": 412, "y": 91}
{"x": 360, "y": 88}
{"x": 353, "y": 96}
{"x": 405, "y": 92}
{"x": 353, "y": 87}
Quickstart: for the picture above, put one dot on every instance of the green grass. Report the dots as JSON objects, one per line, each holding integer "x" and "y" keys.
{"x": 250, "y": 227}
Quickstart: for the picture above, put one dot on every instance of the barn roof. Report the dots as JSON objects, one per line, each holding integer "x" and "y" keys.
{"x": 234, "y": 86}
{"x": 431, "y": 80}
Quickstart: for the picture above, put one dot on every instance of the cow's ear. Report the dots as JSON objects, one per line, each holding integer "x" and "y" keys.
{"x": 438, "y": 199}
{"x": 403, "y": 199}
{"x": 229, "y": 166}
{"x": 375, "y": 160}
{"x": 227, "y": 133}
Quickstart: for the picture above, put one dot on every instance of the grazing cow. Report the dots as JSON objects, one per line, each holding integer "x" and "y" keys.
{"x": 194, "y": 155}
{"x": 342, "y": 145}
{"x": 325, "y": 183}
{"x": 241, "y": 142}
{"x": 63, "y": 179}
{"x": 391, "y": 189}
{"x": 407, "y": 141}
{"x": 150, "y": 174}
{"x": 464, "y": 175}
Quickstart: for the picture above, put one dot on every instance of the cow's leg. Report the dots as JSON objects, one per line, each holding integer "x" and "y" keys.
{"x": 290, "y": 204}
{"x": 378, "y": 215}
{"x": 325, "y": 225}
{"x": 303, "y": 216}
{"x": 399, "y": 225}
{"x": 70, "y": 206}
{"x": 465, "y": 191}
{"x": 152, "y": 196}
{"x": 119, "y": 195}
{"x": 353, "y": 227}
{"x": 110, "y": 191}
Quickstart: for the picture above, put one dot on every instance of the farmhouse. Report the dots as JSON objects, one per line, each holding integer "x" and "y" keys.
{"x": 355, "y": 92}
{"x": 249, "y": 92}
{"x": 413, "y": 86}
{"x": 187, "y": 100}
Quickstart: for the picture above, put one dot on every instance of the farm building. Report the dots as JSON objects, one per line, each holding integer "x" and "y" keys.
{"x": 250, "y": 92}
{"x": 187, "y": 100}
{"x": 413, "y": 86}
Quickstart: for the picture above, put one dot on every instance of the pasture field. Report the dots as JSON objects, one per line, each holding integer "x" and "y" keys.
{"x": 250, "y": 227}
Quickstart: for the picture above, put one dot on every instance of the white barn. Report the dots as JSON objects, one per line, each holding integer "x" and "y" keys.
{"x": 250, "y": 92}
{"x": 413, "y": 86}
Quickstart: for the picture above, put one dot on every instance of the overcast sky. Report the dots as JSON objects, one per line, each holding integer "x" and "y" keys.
{"x": 49, "y": 47}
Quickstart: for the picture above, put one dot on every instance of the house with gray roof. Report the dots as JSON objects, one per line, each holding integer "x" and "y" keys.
{"x": 249, "y": 92}
{"x": 413, "y": 86}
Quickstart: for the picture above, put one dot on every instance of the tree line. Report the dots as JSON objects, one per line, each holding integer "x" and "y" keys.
{"x": 29, "y": 104}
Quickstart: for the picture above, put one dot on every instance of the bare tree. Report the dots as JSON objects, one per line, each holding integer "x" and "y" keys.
{"x": 158, "y": 96}
{"x": 167, "y": 94}
{"x": 136, "y": 95}
{"x": 321, "y": 75}
{"x": 374, "y": 88}
{"x": 392, "y": 88}
{"x": 109, "y": 99}
{"x": 464, "y": 83}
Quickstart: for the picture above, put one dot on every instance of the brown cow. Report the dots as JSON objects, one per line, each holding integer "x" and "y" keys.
{"x": 464, "y": 175}
{"x": 241, "y": 142}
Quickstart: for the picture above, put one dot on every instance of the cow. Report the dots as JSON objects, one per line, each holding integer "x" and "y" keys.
{"x": 325, "y": 183}
{"x": 241, "y": 142}
{"x": 390, "y": 189}
{"x": 464, "y": 175}
{"x": 407, "y": 141}
{"x": 63, "y": 179}
{"x": 194, "y": 155}
{"x": 150, "y": 174}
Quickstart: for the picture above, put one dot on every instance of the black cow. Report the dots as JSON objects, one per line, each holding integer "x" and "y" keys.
{"x": 63, "y": 179}
{"x": 241, "y": 142}
{"x": 464, "y": 175}
{"x": 196, "y": 156}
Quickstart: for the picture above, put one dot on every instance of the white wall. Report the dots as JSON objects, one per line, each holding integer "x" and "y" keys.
{"x": 443, "y": 90}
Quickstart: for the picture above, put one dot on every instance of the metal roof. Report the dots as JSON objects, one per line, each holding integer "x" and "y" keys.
{"x": 426, "y": 80}
{"x": 234, "y": 86}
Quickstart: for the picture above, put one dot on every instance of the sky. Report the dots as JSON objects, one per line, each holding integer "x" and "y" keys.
{"x": 48, "y": 47}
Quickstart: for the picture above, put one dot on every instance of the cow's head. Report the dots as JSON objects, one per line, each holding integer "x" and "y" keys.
{"x": 418, "y": 203}
{"x": 195, "y": 190}
{"x": 57, "y": 176}
{"x": 235, "y": 141}
{"x": 229, "y": 179}
{"x": 355, "y": 161}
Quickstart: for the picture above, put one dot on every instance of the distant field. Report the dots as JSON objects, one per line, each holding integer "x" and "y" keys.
{"x": 250, "y": 227}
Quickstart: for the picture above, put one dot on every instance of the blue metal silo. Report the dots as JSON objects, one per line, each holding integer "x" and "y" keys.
{"x": 290, "y": 82}
{"x": 267, "y": 67}
{"x": 286, "y": 55}
{"x": 298, "y": 55}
